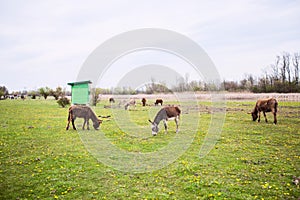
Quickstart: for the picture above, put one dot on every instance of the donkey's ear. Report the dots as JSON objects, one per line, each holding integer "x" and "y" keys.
{"x": 150, "y": 121}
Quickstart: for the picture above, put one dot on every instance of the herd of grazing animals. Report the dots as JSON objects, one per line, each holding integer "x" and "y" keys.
{"x": 164, "y": 114}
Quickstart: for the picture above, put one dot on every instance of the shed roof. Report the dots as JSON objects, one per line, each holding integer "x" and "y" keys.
{"x": 79, "y": 83}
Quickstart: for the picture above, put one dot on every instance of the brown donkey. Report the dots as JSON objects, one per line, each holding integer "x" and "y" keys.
{"x": 265, "y": 105}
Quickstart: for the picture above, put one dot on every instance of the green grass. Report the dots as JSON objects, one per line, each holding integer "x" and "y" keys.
{"x": 41, "y": 160}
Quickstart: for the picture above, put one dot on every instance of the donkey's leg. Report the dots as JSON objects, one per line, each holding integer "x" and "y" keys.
{"x": 275, "y": 118}
{"x": 258, "y": 116}
{"x": 68, "y": 124}
{"x": 87, "y": 124}
{"x": 69, "y": 120}
{"x": 83, "y": 125}
{"x": 265, "y": 117}
{"x": 73, "y": 119}
{"x": 176, "y": 121}
{"x": 166, "y": 127}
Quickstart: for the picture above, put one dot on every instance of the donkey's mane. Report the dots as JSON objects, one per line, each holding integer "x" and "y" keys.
{"x": 159, "y": 116}
{"x": 93, "y": 116}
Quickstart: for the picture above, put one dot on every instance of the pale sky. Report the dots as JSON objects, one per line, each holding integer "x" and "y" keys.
{"x": 45, "y": 43}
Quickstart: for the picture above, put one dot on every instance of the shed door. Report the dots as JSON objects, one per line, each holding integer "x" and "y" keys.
{"x": 80, "y": 94}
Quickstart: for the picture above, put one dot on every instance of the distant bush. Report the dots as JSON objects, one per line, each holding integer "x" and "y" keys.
{"x": 63, "y": 102}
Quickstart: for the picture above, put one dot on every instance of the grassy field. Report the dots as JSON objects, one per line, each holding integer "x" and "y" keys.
{"x": 41, "y": 160}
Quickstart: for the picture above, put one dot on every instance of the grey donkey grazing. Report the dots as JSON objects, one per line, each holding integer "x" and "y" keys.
{"x": 165, "y": 114}
{"x": 130, "y": 103}
{"x": 83, "y": 112}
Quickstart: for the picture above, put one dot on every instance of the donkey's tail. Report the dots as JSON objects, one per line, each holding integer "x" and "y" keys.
{"x": 107, "y": 116}
{"x": 69, "y": 118}
{"x": 178, "y": 111}
{"x": 275, "y": 106}
{"x": 69, "y": 115}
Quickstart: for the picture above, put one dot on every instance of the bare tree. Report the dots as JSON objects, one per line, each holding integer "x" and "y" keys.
{"x": 296, "y": 67}
{"x": 3, "y": 92}
{"x": 250, "y": 79}
{"x": 288, "y": 69}
{"x": 283, "y": 68}
{"x": 57, "y": 93}
{"x": 45, "y": 92}
{"x": 95, "y": 92}
{"x": 275, "y": 69}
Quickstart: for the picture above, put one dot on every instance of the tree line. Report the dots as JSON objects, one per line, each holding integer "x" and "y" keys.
{"x": 43, "y": 92}
{"x": 282, "y": 76}
{"x": 59, "y": 94}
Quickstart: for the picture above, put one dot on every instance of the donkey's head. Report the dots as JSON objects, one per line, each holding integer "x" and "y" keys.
{"x": 154, "y": 127}
{"x": 254, "y": 115}
{"x": 96, "y": 124}
{"x": 126, "y": 106}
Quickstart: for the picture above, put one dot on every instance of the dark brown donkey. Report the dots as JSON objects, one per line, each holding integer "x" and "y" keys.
{"x": 83, "y": 112}
{"x": 265, "y": 105}
{"x": 144, "y": 101}
{"x": 158, "y": 101}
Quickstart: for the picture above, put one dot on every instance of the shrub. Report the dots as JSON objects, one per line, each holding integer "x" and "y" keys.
{"x": 63, "y": 101}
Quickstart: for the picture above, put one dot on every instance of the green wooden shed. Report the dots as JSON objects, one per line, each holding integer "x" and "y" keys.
{"x": 80, "y": 92}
